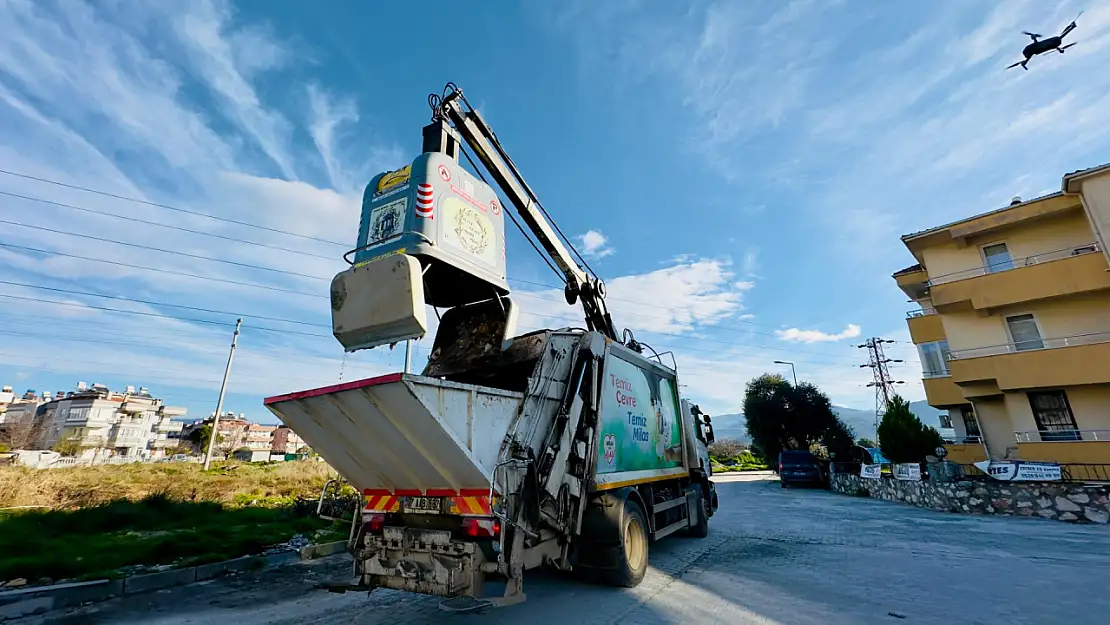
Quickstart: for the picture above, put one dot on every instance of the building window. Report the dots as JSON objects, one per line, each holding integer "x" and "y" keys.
{"x": 971, "y": 424}
{"x": 934, "y": 358}
{"x": 997, "y": 258}
{"x": 1053, "y": 416}
{"x": 1024, "y": 332}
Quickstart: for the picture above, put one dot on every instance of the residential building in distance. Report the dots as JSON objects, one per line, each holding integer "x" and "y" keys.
{"x": 1012, "y": 325}
{"x": 235, "y": 432}
{"x": 286, "y": 441}
{"x": 98, "y": 422}
{"x": 259, "y": 437}
{"x": 20, "y": 427}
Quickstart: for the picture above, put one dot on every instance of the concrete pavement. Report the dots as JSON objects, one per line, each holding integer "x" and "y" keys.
{"x": 773, "y": 556}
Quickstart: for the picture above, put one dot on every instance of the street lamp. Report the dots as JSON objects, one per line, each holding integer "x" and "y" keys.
{"x": 792, "y": 372}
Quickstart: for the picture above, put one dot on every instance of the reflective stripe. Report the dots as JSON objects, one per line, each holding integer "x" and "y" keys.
{"x": 382, "y": 503}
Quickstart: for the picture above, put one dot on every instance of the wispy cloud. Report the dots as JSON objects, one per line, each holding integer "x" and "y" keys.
{"x": 816, "y": 336}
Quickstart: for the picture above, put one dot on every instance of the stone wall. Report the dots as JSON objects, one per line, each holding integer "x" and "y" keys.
{"x": 1049, "y": 500}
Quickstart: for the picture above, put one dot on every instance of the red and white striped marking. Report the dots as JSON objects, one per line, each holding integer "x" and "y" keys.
{"x": 425, "y": 203}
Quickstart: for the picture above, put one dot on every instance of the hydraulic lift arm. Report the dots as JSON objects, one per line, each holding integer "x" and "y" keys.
{"x": 453, "y": 117}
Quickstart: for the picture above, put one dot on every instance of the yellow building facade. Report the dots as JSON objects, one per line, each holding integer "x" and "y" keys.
{"x": 1012, "y": 325}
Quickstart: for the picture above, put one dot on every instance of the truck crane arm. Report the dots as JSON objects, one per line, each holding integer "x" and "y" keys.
{"x": 452, "y": 118}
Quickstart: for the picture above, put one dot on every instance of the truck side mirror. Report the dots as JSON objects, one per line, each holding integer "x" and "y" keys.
{"x": 709, "y": 438}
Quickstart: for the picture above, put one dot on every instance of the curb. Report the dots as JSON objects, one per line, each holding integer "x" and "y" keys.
{"x": 36, "y": 600}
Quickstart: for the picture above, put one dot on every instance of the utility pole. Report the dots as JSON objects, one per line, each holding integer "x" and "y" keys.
{"x": 220, "y": 401}
{"x": 884, "y": 386}
{"x": 408, "y": 355}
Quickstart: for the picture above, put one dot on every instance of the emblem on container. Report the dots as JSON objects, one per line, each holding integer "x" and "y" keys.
{"x": 471, "y": 230}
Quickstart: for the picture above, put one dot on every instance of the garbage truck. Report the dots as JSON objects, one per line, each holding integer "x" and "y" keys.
{"x": 569, "y": 448}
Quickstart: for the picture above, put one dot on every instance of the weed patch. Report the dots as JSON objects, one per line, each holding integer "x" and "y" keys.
{"x": 99, "y": 540}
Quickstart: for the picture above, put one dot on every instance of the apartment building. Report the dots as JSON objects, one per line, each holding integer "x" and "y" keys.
{"x": 99, "y": 421}
{"x": 259, "y": 437}
{"x": 1012, "y": 323}
{"x": 286, "y": 441}
{"x": 19, "y": 427}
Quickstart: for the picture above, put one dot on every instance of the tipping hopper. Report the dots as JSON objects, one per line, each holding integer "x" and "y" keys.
{"x": 406, "y": 434}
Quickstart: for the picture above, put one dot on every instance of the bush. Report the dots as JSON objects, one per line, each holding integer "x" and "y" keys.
{"x": 726, "y": 448}
{"x": 903, "y": 438}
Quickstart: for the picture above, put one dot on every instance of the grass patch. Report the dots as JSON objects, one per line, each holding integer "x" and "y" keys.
{"x": 229, "y": 483}
{"x": 158, "y": 529}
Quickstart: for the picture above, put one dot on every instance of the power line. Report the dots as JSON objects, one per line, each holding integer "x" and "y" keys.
{"x": 279, "y": 289}
{"x": 149, "y": 314}
{"x": 320, "y": 278}
{"x": 248, "y": 242}
{"x": 154, "y": 303}
{"x": 151, "y": 248}
{"x": 295, "y": 332}
{"x": 161, "y": 225}
{"x": 168, "y": 207}
{"x": 161, "y": 270}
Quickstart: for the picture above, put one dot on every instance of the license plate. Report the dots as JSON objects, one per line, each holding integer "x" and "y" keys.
{"x": 423, "y": 505}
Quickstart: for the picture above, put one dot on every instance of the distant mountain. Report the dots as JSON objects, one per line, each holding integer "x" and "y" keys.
{"x": 730, "y": 426}
{"x": 862, "y": 422}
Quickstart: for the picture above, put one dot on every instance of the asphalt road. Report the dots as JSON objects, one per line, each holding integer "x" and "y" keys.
{"x": 773, "y": 556}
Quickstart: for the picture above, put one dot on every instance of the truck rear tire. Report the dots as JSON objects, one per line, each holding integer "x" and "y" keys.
{"x": 631, "y": 555}
{"x": 700, "y": 528}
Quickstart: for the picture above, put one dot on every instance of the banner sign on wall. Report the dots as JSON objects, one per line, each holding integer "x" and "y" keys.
{"x": 1021, "y": 471}
{"x": 909, "y": 472}
{"x": 872, "y": 471}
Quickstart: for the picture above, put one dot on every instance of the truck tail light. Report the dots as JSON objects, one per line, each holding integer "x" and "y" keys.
{"x": 482, "y": 528}
{"x": 374, "y": 523}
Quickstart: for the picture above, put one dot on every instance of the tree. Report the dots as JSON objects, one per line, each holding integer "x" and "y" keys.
{"x": 202, "y": 435}
{"x": 780, "y": 416}
{"x": 866, "y": 443}
{"x": 67, "y": 447}
{"x": 21, "y": 433}
{"x": 903, "y": 437}
{"x": 838, "y": 441}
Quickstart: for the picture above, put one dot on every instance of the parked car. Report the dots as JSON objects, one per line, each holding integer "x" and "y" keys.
{"x": 798, "y": 467}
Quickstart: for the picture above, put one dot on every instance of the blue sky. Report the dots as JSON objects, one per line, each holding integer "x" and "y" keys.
{"x": 738, "y": 172}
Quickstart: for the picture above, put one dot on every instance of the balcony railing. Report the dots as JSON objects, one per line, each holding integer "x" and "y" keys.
{"x": 1031, "y": 345}
{"x": 920, "y": 312}
{"x": 928, "y": 375}
{"x": 1055, "y": 436}
{"x": 1015, "y": 263}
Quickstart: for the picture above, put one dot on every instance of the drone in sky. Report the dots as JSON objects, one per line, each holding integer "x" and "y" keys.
{"x": 1040, "y": 46}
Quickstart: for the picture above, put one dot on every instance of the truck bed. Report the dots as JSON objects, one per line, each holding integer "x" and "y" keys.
{"x": 402, "y": 433}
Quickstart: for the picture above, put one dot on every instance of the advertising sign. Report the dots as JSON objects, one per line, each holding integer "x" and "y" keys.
{"x": 871, "y": 471}
{"x": 639, "y": 420}
{"x": 1021, "y": 471}
{"x": 910, "y": 472}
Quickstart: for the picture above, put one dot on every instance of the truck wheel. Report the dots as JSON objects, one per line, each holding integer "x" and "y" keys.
{"x": 700, "y": 528}
{"x": 631, "y": 555}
